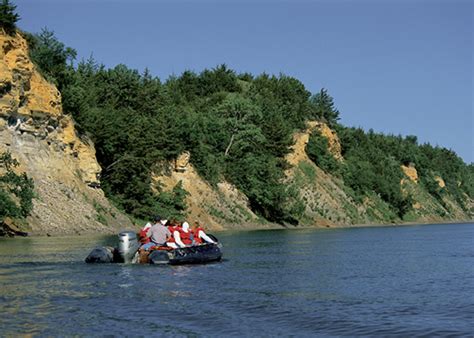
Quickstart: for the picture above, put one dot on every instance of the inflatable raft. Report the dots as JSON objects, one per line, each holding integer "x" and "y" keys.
{"x": 127, "y": 252}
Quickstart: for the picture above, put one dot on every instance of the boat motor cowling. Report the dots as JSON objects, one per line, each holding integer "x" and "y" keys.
{"x": 128, "y": 245}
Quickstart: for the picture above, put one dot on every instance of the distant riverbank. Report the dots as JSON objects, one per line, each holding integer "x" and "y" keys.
{"x": 251, "y": 227}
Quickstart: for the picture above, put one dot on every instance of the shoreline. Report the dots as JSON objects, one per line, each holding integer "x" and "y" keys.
{"x": 380, "y": 225}
{"x": 271, "y": 226}
{"x": 275, "y": 226}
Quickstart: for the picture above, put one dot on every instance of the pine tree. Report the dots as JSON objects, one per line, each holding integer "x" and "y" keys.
{"x": 323, "y": 107}
{"x": 8, "y": 17}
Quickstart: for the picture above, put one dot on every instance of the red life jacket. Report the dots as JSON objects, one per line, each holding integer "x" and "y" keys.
{"x": 172, "y": 229}
{"x": 143, "y": 238}
{"x": 185, "y": 236}
{"x": 197, "y": 239}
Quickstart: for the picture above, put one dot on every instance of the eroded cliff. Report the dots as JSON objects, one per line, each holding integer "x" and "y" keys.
{"x": 328, "y": 202}
{"x": 223, "y": 207}
{"x": 42, "y": 138}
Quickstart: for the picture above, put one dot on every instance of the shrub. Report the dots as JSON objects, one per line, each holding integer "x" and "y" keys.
{"x": 16, "y": 190}
{"x": 317, "y": 150}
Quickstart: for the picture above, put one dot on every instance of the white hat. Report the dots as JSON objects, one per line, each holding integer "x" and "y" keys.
{"x": 185, "y": 226}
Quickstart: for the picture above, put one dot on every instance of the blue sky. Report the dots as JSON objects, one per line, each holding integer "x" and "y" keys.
{"x": 401, "y": 67}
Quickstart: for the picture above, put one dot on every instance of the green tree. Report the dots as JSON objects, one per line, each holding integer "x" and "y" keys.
{"x": 282, "y": 95}
{"x": 324, "y": 108}
{"x": 237, "y": 128}
{"x": 19, "y": 186}
{"x": 372, "y": 165}
{"x": 52, "y": 57}
{"x": 8, "y": 17}
{"x": 239, "y": 116}
{"x": 318, "y": 151}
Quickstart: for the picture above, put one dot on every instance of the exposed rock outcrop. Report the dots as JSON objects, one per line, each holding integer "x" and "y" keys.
{"x": 326, "y": 203}
{"x": 24, "y": 91}
{"x": 301, "y": 139}
{"x": 43, "y": 139}
{"x": 329, "y": 203}
{"x": 410, "y": 172}
{"x": 34, "y": 129}
{"x": 440, "y": 181}
{"x": 182, "y": 162}
{"x": 9, "y": 229}
{"x": 217, "y": 208}
{"x": 298, "y": 150}
{"x": 334, "y": 145}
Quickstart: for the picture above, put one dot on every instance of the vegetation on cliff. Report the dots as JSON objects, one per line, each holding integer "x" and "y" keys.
{"x": 16, "y": 190}
{"x": 373, "y": 164}
{"x": 51, "y": 56}
{"x": 8, "y": 17}
{"x": 238, "y": 127}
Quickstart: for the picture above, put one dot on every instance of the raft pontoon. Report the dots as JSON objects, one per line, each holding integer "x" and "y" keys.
{"x": 127, "y": 252}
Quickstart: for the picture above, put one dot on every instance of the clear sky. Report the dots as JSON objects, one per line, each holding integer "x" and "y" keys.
{"x": 397, "y": 66}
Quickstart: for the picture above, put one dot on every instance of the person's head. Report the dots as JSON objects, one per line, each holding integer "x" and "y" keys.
{"x": 185, "y": 226}
{"x": 156, "y": 219}
{"x": 196, "y": 224}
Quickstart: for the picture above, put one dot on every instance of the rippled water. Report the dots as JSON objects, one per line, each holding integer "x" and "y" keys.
{"x": 404, "y": 281}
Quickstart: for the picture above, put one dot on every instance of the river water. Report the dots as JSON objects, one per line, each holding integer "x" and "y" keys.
{"x": 383, "y": 281}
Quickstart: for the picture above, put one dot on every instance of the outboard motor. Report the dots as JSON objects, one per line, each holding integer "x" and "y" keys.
{"x": 128, "y": 245}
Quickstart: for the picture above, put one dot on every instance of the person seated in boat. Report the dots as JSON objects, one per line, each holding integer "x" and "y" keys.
{"x": 157, "y": 233}
{"x": 173, "y": 223}
{"x": 199, "y": 236}
{"x": 182, "y": 237}
{"x": 142, "y": 235}
{"x": 172, "y": 226}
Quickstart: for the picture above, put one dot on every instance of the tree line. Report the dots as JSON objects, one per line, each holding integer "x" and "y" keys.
{"x": 238, "y": 127}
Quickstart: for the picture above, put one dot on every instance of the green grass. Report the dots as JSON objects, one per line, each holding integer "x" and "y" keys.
{"x": 308, "y": 170}
{"x": 101, "y": 211}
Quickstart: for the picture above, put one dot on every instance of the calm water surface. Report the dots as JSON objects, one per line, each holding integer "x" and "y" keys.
{"x": 393, "y": 281}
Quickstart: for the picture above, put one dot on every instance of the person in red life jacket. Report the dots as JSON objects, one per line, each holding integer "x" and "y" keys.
{"x": 199, "y": 235}
{"x": 172, "y": 226}
{"x": 143, "y": 234}
{"x": 182, "y": 237}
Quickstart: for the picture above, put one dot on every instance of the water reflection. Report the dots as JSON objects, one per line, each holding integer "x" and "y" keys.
{"x": 391, "y": 281}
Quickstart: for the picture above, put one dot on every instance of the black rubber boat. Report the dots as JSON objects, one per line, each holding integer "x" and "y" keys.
{"x": 204, "y": 253}
{"x": 127, "y": 252}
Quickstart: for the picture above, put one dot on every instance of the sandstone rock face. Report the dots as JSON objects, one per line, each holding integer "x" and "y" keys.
{"x": 301, "y": 139}
{"x": 224, "y": 207}
{"x": 23, "y": 90}
{"x": 410, "y": 172}
{"x": 181, "y": 163}
{"x": 334, "y": 145}
{"x": 440, "y": 181}
{"x": 298, "y": 150}
{"x": 328, "y": 203}
{"x": 43, "y": 139}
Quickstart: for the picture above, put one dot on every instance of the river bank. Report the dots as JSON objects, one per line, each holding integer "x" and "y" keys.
{"x": 4, "y": 232}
